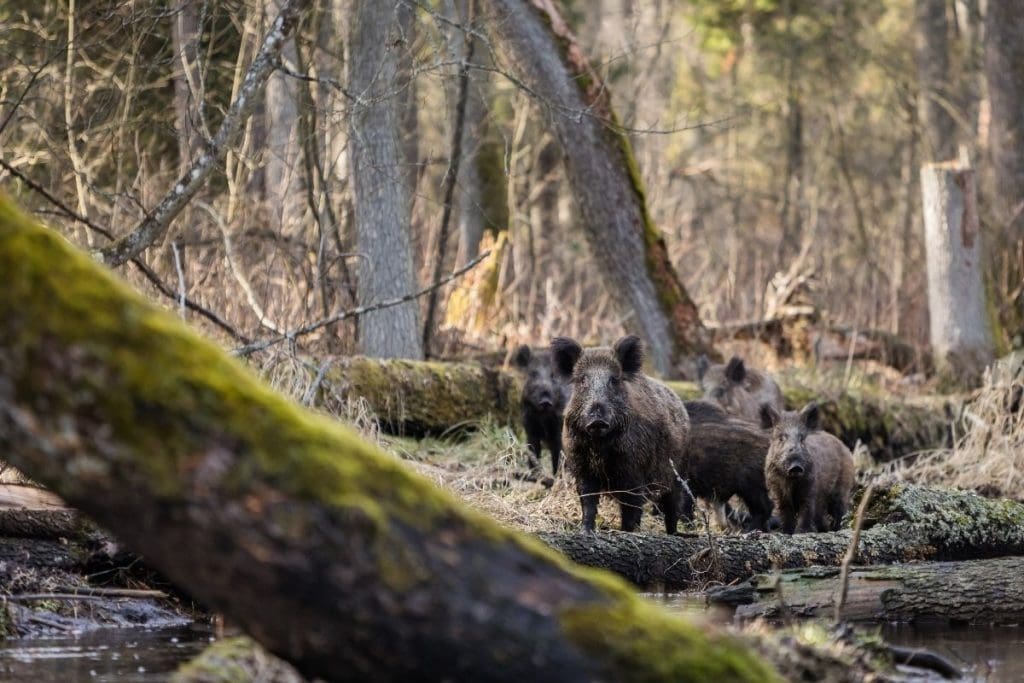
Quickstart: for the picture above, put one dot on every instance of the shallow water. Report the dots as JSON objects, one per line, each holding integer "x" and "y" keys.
{"x": 122, "y": 655}
{"x": 989, "y": 654}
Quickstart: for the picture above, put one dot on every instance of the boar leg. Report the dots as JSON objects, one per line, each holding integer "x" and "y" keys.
{"x": 631, "y": 507}
{"x": 836, "y": 510}
{"x": 788, "y": 517}
{"x": 534, "y": 445}
{"x": 808, "y": 516}
{"x": 669, "y": 505}
{"x": 760, "y": 514}
{"x": 556, "y": 454}
{"x": 589, "y": 494}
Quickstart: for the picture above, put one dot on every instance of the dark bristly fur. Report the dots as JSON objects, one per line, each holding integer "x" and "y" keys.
{"x": 738, "y": 389}
{"x": 810, "y": 473}
{"x": 624, "y": 434}
{"x": 726, "y": 458}
{"x": 545, "y": 395}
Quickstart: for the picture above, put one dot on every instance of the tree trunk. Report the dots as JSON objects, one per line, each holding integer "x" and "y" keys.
{"x": 1004, "y": 71}
{"x": 283, "y": 173}
{"x": 321, "y": 547}
{"x": 186, "y": 32}
{"x": 961, "y": 335}
{"x": 604, "y": 178}
{"x": 976, "y": 592}
{"x": 904, "y": 523}
{"x": 380, "y": 186}
{"x": 931, "y": 41}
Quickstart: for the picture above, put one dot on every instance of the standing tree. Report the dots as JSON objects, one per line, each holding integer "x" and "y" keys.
{"x": 1004, "y": 71}
{"x": 931, "y": 40}
{"x": 603, "y": 177}
{"x": 960, "y": 332}
{"x": 380, "y": 181}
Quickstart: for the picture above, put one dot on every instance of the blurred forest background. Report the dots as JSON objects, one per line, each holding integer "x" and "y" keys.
{"x": 779, "y": 144}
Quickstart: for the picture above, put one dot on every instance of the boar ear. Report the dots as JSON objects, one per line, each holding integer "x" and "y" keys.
{"x": 565, "y": 352}
{"x": 769, "y": 416}
{"x": 522, "y": 357}
{"x": 630, "y": 353}
{"x": 736, "y": 371}
{"x": 810, "y": 416}
{"x": 702, "y": 366}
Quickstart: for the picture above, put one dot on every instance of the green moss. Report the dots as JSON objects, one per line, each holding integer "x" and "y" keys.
{"x": 624, "y": 634}
{"x": 234, "y": 660}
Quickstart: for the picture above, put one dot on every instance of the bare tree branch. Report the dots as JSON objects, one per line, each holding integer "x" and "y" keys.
{"x": 356, "y": 312}
{"x": 156, "y": 223}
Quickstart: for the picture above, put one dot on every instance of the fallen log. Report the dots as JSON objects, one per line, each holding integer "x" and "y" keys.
{"x": 323, "y": 548}
{"x": 416, "y": 398}
{"x": 903, "y": 523}
{"x": 972, "y": 591}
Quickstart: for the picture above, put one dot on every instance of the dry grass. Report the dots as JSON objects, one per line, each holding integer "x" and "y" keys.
{"x": 988, "y": 451}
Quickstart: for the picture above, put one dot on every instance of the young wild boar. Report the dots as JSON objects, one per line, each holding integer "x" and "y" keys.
{"x": 809, "y": 472}
{"x": 545, "y": 394}
{"x": 624, "y": 432}
{"x": 738, "y": 389}
{"x": 726, "y": 458}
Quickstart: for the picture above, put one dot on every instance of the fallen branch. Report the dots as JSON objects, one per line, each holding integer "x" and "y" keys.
{"x": 851, "y": 553}
{"x": 156, "y": 223}
{"x": 356, "y": 312}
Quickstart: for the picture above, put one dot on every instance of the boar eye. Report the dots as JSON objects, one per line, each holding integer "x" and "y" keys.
{"x": 613, "y": 381}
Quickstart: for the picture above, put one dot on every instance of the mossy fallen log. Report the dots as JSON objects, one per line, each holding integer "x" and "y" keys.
{"x": 972, "y": 591}
{"x": 326, "y": 550}
{"x": 903, "y": 523}
{"x": 889, "y": 428}
{"x": 416, "y": 398}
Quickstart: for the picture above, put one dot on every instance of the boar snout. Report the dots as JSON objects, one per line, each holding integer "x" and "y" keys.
{"x": 598, "y": 423}
{"x": 795, "y": 470}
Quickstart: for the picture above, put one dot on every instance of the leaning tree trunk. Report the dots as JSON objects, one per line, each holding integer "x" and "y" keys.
{"x": 185, "y": 32}
{"x": 602, "y": 172}
{"x": 379, "y": 180}
{"x": 323, "y": 548}
{"x": 1004, "y": 71}
{"x": 961, "y": 334}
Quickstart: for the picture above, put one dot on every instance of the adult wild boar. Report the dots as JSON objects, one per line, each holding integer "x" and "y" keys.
{"x": 738, "y": 389}
{"x": 545, "y": 394}
{"x": 624, "y": 433}
{"x": 725, "y": 458}
{"x": 809, "y": 473}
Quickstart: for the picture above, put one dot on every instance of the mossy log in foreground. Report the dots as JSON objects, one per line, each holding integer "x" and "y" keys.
{"x": 972, "y": 591}
{"x": 322, "y": 547}
{"x": 904, "y": 523}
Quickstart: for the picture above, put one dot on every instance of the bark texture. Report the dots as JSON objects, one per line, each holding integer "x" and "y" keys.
{"x": 380, "y": 181}
{"x": 185, "y": 32}
{"x": 904, "y": 523}
{"x": 321, "y": 547}
{"x": 973, "y": 591}
{"x": 283, "y": 177}
{"x": 961, "y": 334}
{"x": 604, "y": 178}
{"x": 1004, "y": 72}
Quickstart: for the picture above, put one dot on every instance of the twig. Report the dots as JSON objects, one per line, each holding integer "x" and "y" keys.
{"x": 249, "y": 349}
{"x": 263, "y": 64}
{"x": 139, "y": 264}
{"x": 851, "y": 552}
{"x": 86, "y": 594}
{"x": 181, "y": 278}
{"x": 449, "y": 179}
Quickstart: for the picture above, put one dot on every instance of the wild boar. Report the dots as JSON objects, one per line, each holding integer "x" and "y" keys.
{"x": 624, "y": 434}
{"x": 738, "y": 389}
{"x": 809, "y": 473}
{"x": 726, "y": 458}
{"x": 545, "y": 394}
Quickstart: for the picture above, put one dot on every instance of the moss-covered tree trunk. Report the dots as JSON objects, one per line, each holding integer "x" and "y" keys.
{"x": 904, "y": 524}
{"x": 604, "y": 178}
{"x": 973, "y": 591}
{"x": 326, "y": 550}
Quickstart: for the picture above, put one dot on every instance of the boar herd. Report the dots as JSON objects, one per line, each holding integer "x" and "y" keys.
{"x": 628, "y": 436}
